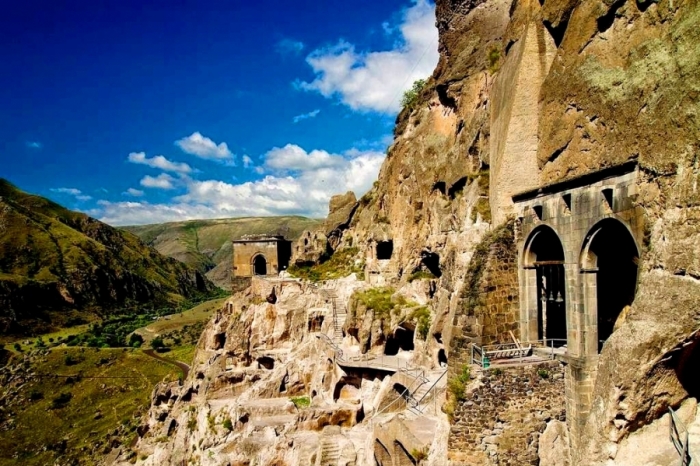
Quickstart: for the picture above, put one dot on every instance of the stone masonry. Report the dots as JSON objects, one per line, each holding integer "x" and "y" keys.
{"x": 504, "y": 413}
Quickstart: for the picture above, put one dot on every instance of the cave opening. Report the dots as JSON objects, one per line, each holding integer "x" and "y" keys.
{"x": 266, "y": 362}
{"x": 259, "y": 265}
{"x": 457, "y": 187}
{"x": 348, "y": 387}
{"x": 431, "y": 261}
{"x": 442, "y": 358}
{"x": 688, "y": 367}
{"x": 385, "y": 249}
{"x": 399, "y": 339}
{"x": 612, "y": 255}
{"x": 315, "y": 323}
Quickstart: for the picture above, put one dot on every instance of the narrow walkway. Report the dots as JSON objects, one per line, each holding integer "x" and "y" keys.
{"x": 183, "y": 367}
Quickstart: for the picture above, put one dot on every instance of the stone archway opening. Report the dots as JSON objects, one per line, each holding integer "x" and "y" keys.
{"x": 544, "y": 260}
{"x": 347, "y": 388}
{"x": 611, "y": 260}
{"x": 399, "y": 339}
{"x": 266, "y": 362}
{"x": 442, "y": 358}
{"x": 259, "y": 265}
{"x": 385, "y": 249}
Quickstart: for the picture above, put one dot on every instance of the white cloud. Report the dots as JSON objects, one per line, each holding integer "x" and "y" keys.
{"x": 162, "y": 181}
{"x": 375, "y": 80}
{"x": 306, "y": 116}
{"x": 289, "y": 46}
{"x": 83, "y": 197}
{"x": 203, "y": 147}
{"x": 133, "y": 192}
{"x": 293, "y": 158}
{"x": 34, "y": 144}
{"x": 297, "y": 182}
{"x": 159, "y": 162}
{"x": 71, "y": 191}
{"x": 247, "y": 161}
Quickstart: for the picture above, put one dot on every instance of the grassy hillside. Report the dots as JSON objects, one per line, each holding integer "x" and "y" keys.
{"x": 72, "y": 405}
{"x": 206, "y": 244}
{"x": 59, "y": 267}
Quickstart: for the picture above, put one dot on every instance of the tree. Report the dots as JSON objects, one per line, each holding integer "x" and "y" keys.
{"x": 157, "y": 342}
{"x": 410, "y": 97}
{"x": 135, "y": 340}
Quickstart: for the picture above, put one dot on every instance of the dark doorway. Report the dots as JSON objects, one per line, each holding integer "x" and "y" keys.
{"x": 266, "y": 362}
{"x": 431, "y": 261}
{"x": 385, "y": 249}
{"x": 548, "y": 254}
{"x": 259, "y": 265}
{"x": 615, "y": 256}
{"x": 400, "y": 339}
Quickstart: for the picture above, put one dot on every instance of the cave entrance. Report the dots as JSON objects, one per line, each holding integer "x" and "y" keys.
{"x": 544, "y": 263}
{"x": 315, "y": 323}
{"x": 431, "y": 261}
{"x": 610, "y": 260}
{"x": 687, "y": 368}
{"x": 401, "y": 390}
{"x": 266, "y": 362}
{"x": 399, "y": 339}
{"x": 385, "y": 249}
{"x": 259, "y": 265}
{"x": 347, "y": 388}
{"x": 442, "y": 358}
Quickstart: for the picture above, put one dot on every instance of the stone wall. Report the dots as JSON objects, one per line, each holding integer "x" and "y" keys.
{"x": 504, "y": 414}
{"x": 274, "y": 252}
{"x": 489, "y": 307}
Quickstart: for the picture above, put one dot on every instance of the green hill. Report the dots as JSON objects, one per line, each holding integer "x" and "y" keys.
{"x": 206, "y": 244}
{"x": 58, "y": 266}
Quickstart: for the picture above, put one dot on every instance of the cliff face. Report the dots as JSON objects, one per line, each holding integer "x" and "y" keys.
{"x": 529, "y": 93}
{"x": 56, "y": 264}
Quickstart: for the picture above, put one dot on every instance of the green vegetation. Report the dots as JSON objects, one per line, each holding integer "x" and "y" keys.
{"x": 61, "y": 268}
{"x": 457, "y": 385}
{"x": 543, "y": 373}
{"x": 72, "y": 419}
{"x": 493, "y": 58}
{"x": 227, "y": 424}
{"x": 423, "y": 320}
{"x": 421, "y": 275}
{"x": 341, "y": 264}
{"x": 411, "y": 96}
{"x": 378, "y": 300}
{"x": 301, "y": 402}
{"x": 419, "y": 455}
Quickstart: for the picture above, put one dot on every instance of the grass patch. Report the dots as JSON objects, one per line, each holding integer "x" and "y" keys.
{"x": 421, "y": 275}
{"x": 341, "y": 264}
{"x": 57, "y": 420}
{"x": 419, "y": 455}
{"x": 377, "y": 300}
{"x": 301, "y": 402}
{"x": 423, "y": 320}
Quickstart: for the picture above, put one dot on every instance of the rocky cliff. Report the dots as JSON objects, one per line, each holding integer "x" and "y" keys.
{"x": 526, "y": 94}
{"x": 57, "y": 265}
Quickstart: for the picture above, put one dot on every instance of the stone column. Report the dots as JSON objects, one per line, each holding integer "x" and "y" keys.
{"x": 589, "y": 291}
{"x": 528, "y": 303}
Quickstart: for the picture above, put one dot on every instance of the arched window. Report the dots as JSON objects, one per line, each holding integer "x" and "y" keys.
{"x": 544, "y": 259}
{"x": 611, "y": 257}
{"x": 259, "y": 265}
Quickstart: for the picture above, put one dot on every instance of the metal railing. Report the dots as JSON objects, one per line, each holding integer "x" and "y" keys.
{"x": 513, "y": 352}
{"x": 425, "y": 395}
{"x": 678, "y": 434}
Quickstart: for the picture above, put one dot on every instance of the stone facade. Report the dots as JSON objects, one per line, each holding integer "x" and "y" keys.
{"x": 260, "y": 255}
{"x": 504, "y": 413}
{"x": 489, "y": 309}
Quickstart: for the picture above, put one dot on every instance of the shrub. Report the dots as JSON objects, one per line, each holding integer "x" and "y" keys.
{"x": 410, "y": 97}
{"x": 301, "y": 401}
{"x": 457, "y": 385}
{"x": 543, "y": 373}
{"x": 422, "y": 317}
{"x": 341, "y": 264}
{"x": 228, "y": 425}
{"x": 35, "y": 395}
{"x": 68, "y": 360}
{"x": 421, "y": 275}
{"x": 378, "y": 300}
{"x": 157, "y": 342}
{"x": 192, "y": 424}
{"x": 494, "y": 59}
{"x": 61, "y": 400}
{"x": 135, "y": 340}
{"x": 419, "y": 455}
{"x": 17, "y": 347}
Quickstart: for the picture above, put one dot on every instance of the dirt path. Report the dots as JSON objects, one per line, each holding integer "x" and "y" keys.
{"x": 184, "y": 367}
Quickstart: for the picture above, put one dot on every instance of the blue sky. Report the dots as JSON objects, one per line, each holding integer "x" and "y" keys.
{"x": 143, "y": 112}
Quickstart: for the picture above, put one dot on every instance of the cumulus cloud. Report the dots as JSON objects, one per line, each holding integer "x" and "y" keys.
{"x": 306, "y": 116}
{"x": 203, "y": 147}
{"x": 162, "y": 181}
{"x": 375, "y": 80}
{"x": 247, "y": 161}
{"x": 293, "y": 158}
{"x": 296, "y": 181}
{"x": 159, "y": 162}
{"x": 133, "y": 192}
{"x": 289, "y": 46}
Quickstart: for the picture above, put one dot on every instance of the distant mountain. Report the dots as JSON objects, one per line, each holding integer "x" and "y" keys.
{"x": 56, "y": 265}
{"x": 206, "y": 244}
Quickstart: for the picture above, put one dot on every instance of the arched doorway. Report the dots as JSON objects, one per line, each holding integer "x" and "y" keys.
{"x": 544, "y": 262}
{"x": 610, "y": 258}
{"x": 259, "y": 265}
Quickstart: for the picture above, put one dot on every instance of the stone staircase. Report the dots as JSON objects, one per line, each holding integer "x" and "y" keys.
{"x": 340, "y": 313}
{"x": 330, "y": 450}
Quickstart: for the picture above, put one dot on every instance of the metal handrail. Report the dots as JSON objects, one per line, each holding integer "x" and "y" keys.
{"x": 431, "y": 388}
{"x": 678, "y": 435}
{"x": 480, "y": 355}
